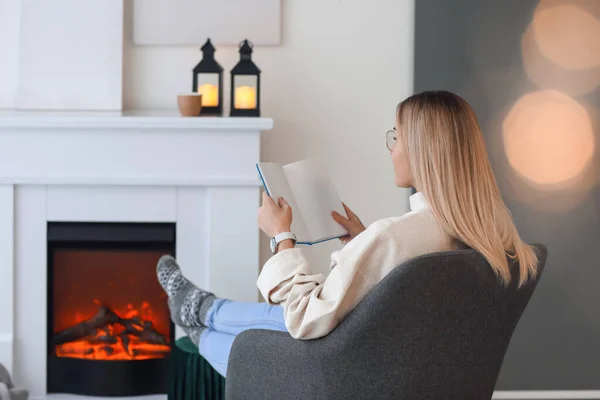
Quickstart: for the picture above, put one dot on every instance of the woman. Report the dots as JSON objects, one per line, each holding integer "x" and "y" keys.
{"x": 436, "y": 147}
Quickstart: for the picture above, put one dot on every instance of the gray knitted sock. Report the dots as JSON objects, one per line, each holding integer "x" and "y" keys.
{"x": 194, "y": 333}
{"x": 188, "y": 304}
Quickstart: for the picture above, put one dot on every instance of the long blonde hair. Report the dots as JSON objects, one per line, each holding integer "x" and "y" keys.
{"x": 450, "y": 166}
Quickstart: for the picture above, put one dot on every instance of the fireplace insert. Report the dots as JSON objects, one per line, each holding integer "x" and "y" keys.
{"x": 109, "y": 329}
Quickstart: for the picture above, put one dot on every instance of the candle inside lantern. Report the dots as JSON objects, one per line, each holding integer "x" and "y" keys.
{"x": 210, "y": 95}
{"x": 245, "y": 97}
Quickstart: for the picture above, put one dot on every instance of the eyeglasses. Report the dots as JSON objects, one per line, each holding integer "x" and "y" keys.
{"x": 390, "y": 139}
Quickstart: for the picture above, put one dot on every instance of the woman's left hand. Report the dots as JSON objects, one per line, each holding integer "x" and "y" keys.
{"x": 274, "y": 218}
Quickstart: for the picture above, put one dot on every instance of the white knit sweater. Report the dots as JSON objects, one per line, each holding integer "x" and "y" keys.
{"x": 315, "y": 305}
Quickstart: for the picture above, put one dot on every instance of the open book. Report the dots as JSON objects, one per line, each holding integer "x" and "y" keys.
{"x": 309, "y": 190}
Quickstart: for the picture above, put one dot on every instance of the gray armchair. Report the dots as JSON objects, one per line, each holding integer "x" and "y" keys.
{"x": 435, "y": 328}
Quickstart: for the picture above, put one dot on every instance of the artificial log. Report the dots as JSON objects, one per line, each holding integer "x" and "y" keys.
{"x": 125, "y": 342}
{"x": 103, "y": 340}
{"x": 144, "y": 330}
{"x": 152, "y": 337}
{"x": 146, "y": 335}
{"x": 128, "y": 325}
{"x": 103, "y": 317}
{"x": 102, "y": 329}
{"x": 147, "y": 325}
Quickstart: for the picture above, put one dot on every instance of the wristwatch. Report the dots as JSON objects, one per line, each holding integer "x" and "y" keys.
{"x": 279, "y": 238}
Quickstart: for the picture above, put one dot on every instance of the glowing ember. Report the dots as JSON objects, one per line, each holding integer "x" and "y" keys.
{"x": 109, "y": 335}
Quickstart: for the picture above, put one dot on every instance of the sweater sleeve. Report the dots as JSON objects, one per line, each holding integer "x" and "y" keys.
{"x": 314, "y": 305}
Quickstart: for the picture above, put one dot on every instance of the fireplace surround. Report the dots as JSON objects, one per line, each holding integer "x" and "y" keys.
{"x": 196, "y": 174}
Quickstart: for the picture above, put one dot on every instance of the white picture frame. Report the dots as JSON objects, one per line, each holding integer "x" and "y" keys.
{"x": 71, "y": 55}
{"x": 191, "y": 22}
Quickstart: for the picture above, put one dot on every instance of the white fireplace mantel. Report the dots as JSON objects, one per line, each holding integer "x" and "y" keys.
{"x": 198, "y": 173}
{"x": 126, "y": 120}
{"x": 128, "y": 149}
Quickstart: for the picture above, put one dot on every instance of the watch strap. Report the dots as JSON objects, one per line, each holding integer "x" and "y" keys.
{"x": 284, "y": 236}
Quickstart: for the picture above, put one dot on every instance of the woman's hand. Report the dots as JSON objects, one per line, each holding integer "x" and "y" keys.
{"x": 273, "y": 218}
{"x": 352, "y": 224}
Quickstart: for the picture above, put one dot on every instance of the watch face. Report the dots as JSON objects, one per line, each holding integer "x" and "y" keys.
{"x": 273, "y": 244}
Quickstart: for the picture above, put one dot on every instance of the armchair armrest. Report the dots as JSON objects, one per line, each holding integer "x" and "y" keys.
{"x": 267, "y": 364}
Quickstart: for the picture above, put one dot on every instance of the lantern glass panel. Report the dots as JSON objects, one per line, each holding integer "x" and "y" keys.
{"x": 208, "y": 85}
{"x": 245, "y": 91}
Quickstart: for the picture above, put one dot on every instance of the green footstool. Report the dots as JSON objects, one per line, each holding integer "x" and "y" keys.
{"x": 191, "y": 376}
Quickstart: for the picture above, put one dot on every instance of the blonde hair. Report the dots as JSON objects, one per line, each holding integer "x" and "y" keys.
{"x": 450, "y": 166}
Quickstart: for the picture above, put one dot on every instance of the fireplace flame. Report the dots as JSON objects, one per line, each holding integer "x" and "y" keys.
{"x": 130, "y": 335}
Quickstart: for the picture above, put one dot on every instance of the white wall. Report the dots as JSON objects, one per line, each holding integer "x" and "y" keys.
{"x": 10, "y": 17}
{"x": 331, "y": 87}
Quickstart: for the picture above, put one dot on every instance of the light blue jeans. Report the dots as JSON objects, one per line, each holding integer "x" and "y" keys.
{"x": 226, "y": 318}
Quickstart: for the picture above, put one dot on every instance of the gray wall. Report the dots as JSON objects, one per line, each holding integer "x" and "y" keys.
{"x": 472, "y": 47}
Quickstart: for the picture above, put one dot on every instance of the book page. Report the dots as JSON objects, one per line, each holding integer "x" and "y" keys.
{"x": 317, "y": 197}
{"x": 276, "y": 185}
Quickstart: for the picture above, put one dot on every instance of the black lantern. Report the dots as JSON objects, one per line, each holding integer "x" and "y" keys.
{"x": 245, "y": 85}
{"x": 208, "y": 80}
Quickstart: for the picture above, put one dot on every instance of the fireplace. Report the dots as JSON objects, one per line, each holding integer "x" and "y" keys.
{"x": 109, "y": 331}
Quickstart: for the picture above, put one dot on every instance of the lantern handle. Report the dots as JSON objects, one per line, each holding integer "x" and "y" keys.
{"x": 249, "y": 43}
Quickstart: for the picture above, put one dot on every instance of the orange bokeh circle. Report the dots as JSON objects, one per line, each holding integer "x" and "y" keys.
{"x": 548, "y": 138}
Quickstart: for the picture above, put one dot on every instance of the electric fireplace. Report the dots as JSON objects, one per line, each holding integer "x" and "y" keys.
{"x": 109, "y": 330}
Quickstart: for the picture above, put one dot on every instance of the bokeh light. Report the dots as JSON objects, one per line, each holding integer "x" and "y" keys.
{"x": 561, "y": 46}
{"x": 548, "y": 138}
{"x": 567, "y": 35}
{"x": 547, "y": 75}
